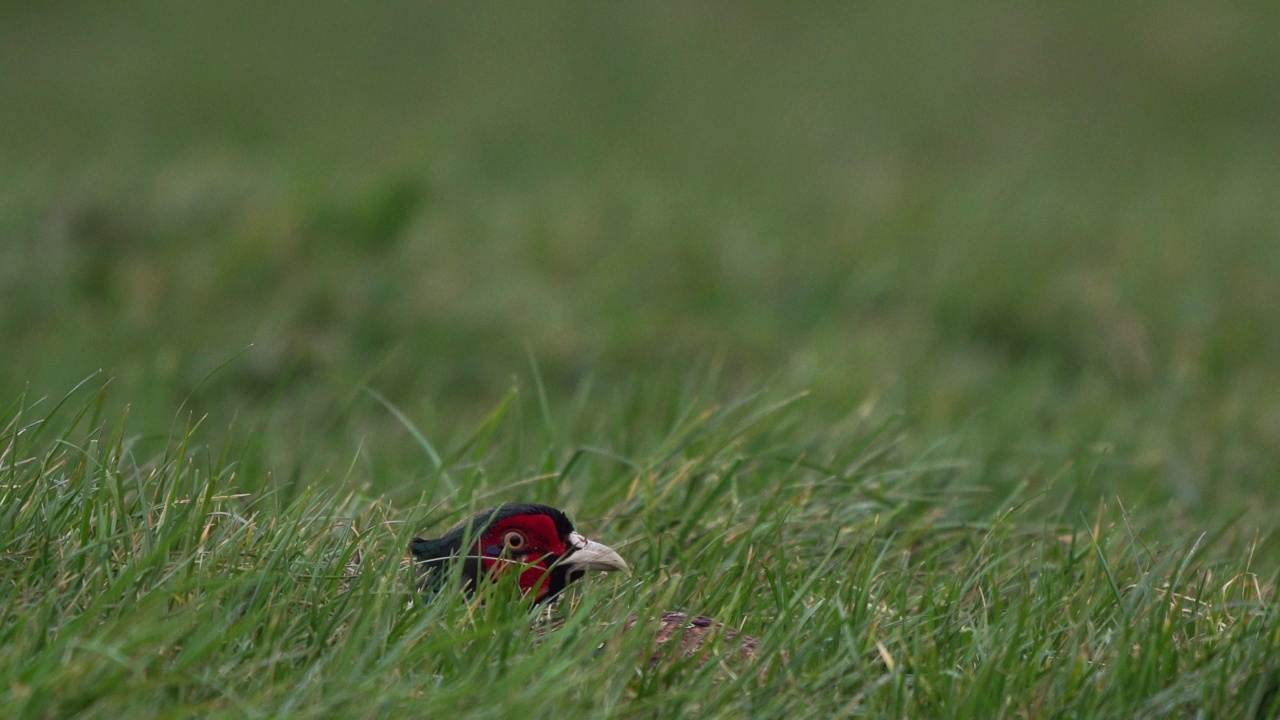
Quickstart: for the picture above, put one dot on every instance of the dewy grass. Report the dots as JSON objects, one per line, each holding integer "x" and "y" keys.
{"x": 167, "y": 585}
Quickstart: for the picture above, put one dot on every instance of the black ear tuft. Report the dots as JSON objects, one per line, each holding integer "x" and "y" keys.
{"x": 431, "y": 558}
{"x": 436, "y": 549}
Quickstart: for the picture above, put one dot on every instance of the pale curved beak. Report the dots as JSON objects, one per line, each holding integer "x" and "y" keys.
{"x": 596, "y": 556}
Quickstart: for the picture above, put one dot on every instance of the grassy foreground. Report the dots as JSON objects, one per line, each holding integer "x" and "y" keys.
{"x": 163, "y": 582}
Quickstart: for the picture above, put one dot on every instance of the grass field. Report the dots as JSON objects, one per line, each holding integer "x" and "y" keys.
{"x": 936, "y": 346}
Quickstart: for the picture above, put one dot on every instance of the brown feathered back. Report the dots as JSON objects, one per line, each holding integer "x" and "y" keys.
{"x": 692, "y": 633}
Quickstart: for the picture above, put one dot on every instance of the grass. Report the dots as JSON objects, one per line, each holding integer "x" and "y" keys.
{"x": 170, "y": 584}
{"x": 933, "y": 346}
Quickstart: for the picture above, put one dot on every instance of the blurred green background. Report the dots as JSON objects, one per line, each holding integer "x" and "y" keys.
{"x": 1045, "y": 235}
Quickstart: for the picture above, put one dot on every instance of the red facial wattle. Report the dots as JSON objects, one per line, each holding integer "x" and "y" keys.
{"x": 529, "y": 542}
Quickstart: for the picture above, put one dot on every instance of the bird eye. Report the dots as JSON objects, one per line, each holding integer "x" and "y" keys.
{"x": 514, "y": 540}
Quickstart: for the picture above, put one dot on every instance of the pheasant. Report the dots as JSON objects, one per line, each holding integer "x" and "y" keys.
{"x": 539, "y": 540}
{"x": 540, "y": 543}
